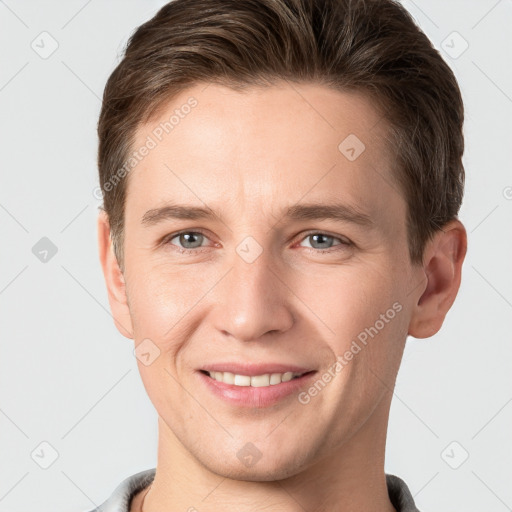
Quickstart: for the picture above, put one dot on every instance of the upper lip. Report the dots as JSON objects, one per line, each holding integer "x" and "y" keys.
{"x": 252, "y": 369}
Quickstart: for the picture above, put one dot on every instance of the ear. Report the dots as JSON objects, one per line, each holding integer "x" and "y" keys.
{"x": 442, "y": 267}
{"x": 114, "y": 278}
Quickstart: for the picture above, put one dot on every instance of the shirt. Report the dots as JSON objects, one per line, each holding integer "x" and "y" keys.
{"x": 121, "y": 498}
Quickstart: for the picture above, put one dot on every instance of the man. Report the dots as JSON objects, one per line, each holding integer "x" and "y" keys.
{"x": 281, "y": 184}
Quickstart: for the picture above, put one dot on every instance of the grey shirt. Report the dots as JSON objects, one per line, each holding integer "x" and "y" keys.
{"x": 121, "y": 498}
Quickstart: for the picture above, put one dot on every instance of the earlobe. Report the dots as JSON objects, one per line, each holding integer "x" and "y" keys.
{"x": 442, "y": 269}
{"x": 114, "y": 278}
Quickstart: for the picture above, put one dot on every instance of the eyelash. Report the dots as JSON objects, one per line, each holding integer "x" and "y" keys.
{"x": 342, "y": 245}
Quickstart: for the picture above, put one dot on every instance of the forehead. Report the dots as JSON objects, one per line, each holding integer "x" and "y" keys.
{"x": 265, "y": 147}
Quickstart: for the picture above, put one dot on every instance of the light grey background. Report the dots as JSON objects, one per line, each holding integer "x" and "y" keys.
{"x": 68, "y": 378}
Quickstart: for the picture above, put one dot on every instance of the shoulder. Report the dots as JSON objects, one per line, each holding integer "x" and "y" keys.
{"x": 121, "y": 497}
{"x": 400, "y": 495}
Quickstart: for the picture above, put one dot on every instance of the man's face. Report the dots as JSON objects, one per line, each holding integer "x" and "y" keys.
{"x": 257, "y": 286}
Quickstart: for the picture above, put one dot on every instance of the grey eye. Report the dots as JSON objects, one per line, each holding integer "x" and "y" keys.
{"x": 321, "y": 241}
{"x": 189, "y": 239}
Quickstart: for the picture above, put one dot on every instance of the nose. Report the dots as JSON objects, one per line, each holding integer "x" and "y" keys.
{"x": 253, "y": 299}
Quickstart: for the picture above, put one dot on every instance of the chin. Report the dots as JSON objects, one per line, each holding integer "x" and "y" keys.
{"x": 262, "y": 470}
{"x": 262, "y": 473}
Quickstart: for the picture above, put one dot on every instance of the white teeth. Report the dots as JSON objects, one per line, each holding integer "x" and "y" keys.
{"x": 275, "y": 378}
{"x": 287, "y": 376}
{"x": 240, "y": 380}
{"x": 259, "y": 381}
{"x": 227, "y": 377}
{"x": 268, "y": 379}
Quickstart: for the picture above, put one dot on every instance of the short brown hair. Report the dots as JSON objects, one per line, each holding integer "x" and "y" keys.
{"x": 372, "y": 46}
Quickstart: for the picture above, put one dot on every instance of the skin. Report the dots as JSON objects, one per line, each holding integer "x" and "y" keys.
{"x": 248, "y": 155}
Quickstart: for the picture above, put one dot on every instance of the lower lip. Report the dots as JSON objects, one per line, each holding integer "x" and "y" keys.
{"x": 255, "y": 397}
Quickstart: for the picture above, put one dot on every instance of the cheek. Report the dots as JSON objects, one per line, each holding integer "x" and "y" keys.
{"x": 159, "y": 300}
{"x": 169, "y": 304}
{"x": 365, "y": 313}
{"x": 345, "y": 303}
{"x": 351, "y": 296}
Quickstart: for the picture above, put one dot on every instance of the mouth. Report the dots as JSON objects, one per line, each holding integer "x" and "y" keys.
{"x": 255, "y": 381}
{"x": 257, "y": 390}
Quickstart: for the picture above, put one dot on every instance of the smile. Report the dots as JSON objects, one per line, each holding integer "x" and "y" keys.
{"x": 256, "y": 381}
{"x": 254, "y": 391}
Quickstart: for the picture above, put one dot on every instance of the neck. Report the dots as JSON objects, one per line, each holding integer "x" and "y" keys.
{"x": 350, "y": 477}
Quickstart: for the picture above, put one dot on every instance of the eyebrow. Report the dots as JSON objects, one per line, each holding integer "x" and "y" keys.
{"x": 309, "y": 211}
{"x": 337, "y": 211}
